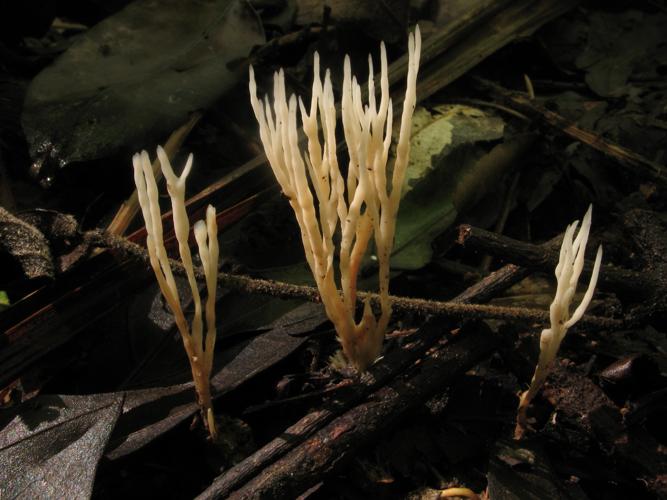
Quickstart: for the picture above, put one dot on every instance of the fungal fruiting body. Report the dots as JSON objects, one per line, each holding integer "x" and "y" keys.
{"x": 198, "y": 347}
{"x": 569, "y": 268}
{"x": 363, "y": 205}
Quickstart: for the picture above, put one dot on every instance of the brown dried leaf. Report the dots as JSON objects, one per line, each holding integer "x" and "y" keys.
{"x": 27, "y": 245}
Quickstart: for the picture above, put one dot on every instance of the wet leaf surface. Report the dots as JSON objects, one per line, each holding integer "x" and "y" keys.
{"x": 50, "y": 446}
{"x": 136, "y": 76}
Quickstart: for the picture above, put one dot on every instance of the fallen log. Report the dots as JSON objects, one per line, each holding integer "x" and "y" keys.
{"x": 337, "y": 442}
{"x": 381, "y": 373}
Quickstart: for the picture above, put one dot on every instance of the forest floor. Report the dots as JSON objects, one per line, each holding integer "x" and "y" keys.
{"x": 528, "y": 113}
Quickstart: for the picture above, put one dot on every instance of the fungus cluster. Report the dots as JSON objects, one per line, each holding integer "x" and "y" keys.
{"x": 362, "y": 205}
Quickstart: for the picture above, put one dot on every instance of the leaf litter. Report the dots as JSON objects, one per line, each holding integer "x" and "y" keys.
{"x": 50, "y": 446}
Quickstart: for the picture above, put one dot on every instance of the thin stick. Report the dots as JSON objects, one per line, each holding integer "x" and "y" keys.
{"x": 623, "y": 156}
{"x": 400, "y": 304}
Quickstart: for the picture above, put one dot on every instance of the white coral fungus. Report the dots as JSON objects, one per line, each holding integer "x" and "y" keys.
{"x": 199, "y": 349}
{"x": 365, "y": 204}
{"x": 569, "y": 268}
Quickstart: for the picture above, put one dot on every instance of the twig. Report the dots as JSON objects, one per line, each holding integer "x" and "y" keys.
{"x": 394, "y": 362}
{"x": 510, "y": 195}
{"x": 279, "y": 289}
{"x": 545, "y": 257}
{"x": 489, "y": 104}
{"x": 621, "y": 155}
{"x": 493, "y": 284}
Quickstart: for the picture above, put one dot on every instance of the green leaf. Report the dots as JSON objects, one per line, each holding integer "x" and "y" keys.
{"x": 454, "y": 159}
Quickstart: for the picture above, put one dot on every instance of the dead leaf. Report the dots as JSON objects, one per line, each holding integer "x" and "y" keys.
{"x": 618, "y": 45}
{"x": 520, "y": 470}
{"x": 148, "y": 413}
{"x": 27, "y": 245}
{"x": 136, "y": 76}
{"x": 52, "y": 444}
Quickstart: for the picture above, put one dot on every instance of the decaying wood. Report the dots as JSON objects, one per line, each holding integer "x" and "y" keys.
{"x": 545, "y": 257}
{"x": 380, "y": 373}
{"x": 647, "y": 289}
{"x": 621, "y": 155}
{"x": 336, "y": 443}
{"x": 493, "y": 284}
